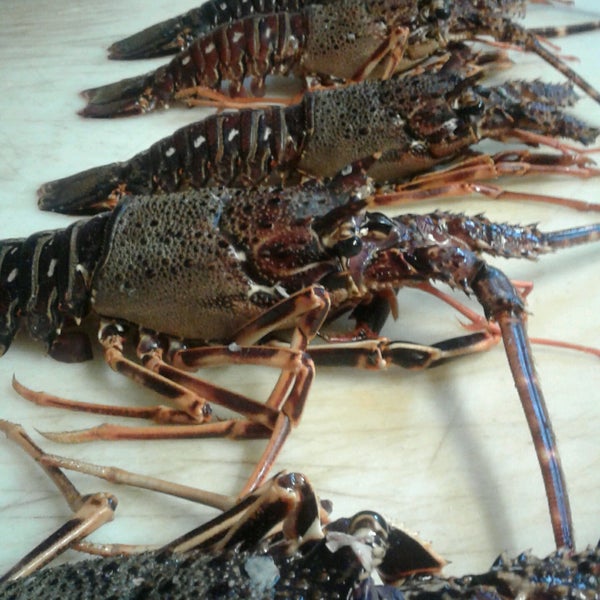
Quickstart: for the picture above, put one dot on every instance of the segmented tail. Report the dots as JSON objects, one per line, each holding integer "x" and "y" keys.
{"x": 176, "y": 34}
{"x": 234, "y": 149}
{"x": 131, "y": 96}
{"x": 252, "y": 47}
{"x": 44, "y": 284}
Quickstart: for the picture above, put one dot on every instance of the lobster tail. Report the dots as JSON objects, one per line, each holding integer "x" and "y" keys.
{"x": 166, "y": 37}
{"x": 225, "y": 149}
{"x": 9, "y": 296}
{"x": 44, "y": 284}
{"x": 96, "y": 189}
{"x": 132, "y": 96}
{"x": 253, "y": 47}
{"x": 176, "y": 34}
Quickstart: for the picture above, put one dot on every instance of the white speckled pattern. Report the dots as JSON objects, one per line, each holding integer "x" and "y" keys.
{"x": 446, "y": 452}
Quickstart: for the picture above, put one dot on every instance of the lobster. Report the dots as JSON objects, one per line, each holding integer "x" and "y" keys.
{"x": 178, "y": 33}
{"x": 339, "y": 40}
{"x": 280, "y": 529}
{"x": 415, "y": 122}
{"x": 247, "y": 264}
{"x": 446, "y": 439}
{"x": 278, "y": 543}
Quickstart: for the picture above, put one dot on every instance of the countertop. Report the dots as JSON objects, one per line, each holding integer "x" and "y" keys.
{"x": 446, "y": 453}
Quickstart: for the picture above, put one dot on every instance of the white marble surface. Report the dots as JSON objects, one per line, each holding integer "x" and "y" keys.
{"x": 445, "y": 452}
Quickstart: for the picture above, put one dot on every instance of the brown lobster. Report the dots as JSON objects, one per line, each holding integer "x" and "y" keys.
{"x": 178, "y": 33}
{"x": 336, "y": 40}
{"x": 277, "y": 542}
{"x": 415, "y": 123}
{"x": 248, "y": 264}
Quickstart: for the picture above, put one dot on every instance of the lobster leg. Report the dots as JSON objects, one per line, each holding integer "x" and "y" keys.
{"x": 380, "y": 353}
{"x": 90, "y": 511}
{"x": 274, "y": 420}
{"x": 465, "y": 178}
{"x": 286, "y": 503}
{"x": 388, "y": 55}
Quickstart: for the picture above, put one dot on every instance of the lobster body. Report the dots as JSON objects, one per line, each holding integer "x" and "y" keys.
{"x": 348, "y": 40}
{"x": 334, "y": 39}
{"x": 180, "y": 32}
{"x": 229, "y": 255}
{"x": 414, "y": 123}
{"x": 561, "y": 575}
{"x": 319, "y": 568}
{"x": 126, "y": 264}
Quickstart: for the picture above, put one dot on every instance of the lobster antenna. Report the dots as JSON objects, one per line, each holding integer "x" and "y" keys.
{"x": 533, "y": 43}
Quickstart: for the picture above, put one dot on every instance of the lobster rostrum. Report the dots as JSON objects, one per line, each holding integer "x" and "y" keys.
{"x": 347, "y": 40}
{"x": 247, "y": 264}
{"x": 281, "y": 534}
{"x": 414, "y": 123}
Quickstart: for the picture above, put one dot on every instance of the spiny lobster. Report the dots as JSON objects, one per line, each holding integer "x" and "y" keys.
{"x": 178, "y": 33}
{"x": 281, "y": 532}
{"x": 430, "y": 419}
{"x": 246, "y": 264}
{"x": 275, "y": 543}
{"x": 415, "y": 123}
{"x": 347, "y": 40}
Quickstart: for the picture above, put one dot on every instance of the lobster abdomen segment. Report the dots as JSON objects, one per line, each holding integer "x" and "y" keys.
{"x": 233, "y": 149}
{"x": 44, "y": 280}
{"x": 173, "y": 35}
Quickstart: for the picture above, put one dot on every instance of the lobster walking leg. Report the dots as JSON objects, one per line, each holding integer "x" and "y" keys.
{"x": 243, "y": 523}
{"x": 469, "y": 176}
{"x": 379, "y": 353}
{"x": 274, "y": 419}
{"x": 90, "y": 511}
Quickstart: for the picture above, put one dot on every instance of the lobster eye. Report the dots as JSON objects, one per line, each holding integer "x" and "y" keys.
{"x": 472, "y": 109}
{"x": 349, "y": 247}
{"x": 378, "y": 222}
{"x": 369, "y": 521}
{"x": 435, "y": 10}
